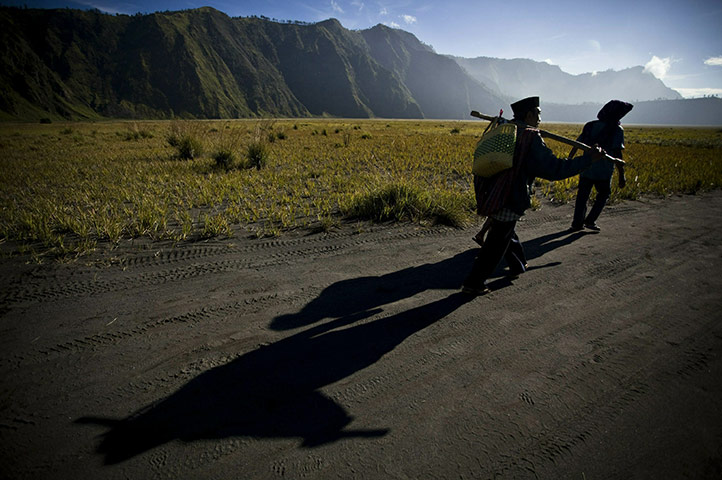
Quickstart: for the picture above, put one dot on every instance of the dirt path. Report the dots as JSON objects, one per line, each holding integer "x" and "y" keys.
{"x": 352, "y": 355}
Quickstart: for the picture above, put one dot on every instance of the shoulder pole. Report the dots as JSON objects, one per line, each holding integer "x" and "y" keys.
{"x": 553, "y": 136}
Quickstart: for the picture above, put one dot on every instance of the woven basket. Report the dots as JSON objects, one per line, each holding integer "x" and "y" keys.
{"x": 495, "y": 151}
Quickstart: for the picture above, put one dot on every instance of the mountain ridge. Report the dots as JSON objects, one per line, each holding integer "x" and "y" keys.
{"x": 201, "y": 63}
{"x": 517, "y": 77}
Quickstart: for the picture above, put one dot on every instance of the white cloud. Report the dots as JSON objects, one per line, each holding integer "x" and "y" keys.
{"x": 335, "y": 6}
{"x": 715, "y": 61}
{"x": 596, "y": 46}
{"x": 409, "y": 19}
{"x": 383, "y": 11}
{"x": 394, "y": 25}
{"x": 358, "y": 4}
{"x": 658, "y": 66}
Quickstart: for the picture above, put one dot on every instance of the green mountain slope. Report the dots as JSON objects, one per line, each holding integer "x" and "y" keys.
{"x": 193, "y": 63}
{"x": 329, "y": 70}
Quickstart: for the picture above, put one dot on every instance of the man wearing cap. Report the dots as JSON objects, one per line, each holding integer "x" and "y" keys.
{"x": 532, "y": 158}
{"x": 607, "y": 131}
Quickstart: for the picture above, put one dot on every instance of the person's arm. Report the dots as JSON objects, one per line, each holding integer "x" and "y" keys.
{"x": 544, "y": 164}
{"x": 620, "y": 170}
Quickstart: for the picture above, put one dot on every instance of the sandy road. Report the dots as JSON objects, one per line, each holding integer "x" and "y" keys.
{"x": 352, "y": 355}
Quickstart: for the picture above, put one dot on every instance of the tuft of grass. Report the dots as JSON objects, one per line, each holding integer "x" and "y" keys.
{"x": 216, "y": 225}
{"x": 257, "y": 154}
{"x": 186, "y": 139}
{"x": 189, "y": 148}
{"x": 403, "y": 202}
{"x": 225, "y": 159}
{"x": 135, "y": 133}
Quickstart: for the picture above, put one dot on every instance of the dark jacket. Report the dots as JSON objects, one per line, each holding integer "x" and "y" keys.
{"x": 539, "y": 161}
{"x": 609, "y": 136}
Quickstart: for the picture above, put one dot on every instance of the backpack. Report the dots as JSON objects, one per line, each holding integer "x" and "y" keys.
{"x": 495, "y": 150}
{"x": 493, "y": 192}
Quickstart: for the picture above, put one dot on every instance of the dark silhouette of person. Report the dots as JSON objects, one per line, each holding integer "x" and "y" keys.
{"x": 606, "y": 131}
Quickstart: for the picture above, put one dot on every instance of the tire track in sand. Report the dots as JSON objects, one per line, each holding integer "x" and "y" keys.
{"x": 40, "y": 292}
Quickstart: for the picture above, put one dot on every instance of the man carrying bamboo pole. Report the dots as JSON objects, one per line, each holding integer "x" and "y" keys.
{"x": 607, "y": 131}
{"x": 532, "y": 158}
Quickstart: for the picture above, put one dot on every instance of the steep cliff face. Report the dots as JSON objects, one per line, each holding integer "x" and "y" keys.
{"x": 195, "y": 63}
{"x": 329, "y": 70}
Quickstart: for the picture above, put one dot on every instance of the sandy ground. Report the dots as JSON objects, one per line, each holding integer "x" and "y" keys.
{"x": 353, "y": 355}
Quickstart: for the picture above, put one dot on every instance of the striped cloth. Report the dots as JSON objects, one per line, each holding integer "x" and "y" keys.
{"x": 506, "y": 215}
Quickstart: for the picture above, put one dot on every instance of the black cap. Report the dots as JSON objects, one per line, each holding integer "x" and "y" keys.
{"x": 521, "y": 107}
{"x": 614, "y": 110}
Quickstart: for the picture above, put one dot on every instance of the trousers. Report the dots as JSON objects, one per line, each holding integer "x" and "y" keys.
{"x": 501, "y": 242}
{"x": 604, "y": 190}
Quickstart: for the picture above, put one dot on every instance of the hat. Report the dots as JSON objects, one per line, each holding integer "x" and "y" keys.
{"x": 614, "y": 110}
{"x": 521, "y": 107}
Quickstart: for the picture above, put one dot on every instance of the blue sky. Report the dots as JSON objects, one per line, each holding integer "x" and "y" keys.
{"x": 680, "y": 41}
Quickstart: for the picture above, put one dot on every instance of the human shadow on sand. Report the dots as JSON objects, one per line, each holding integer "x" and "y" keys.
{"x": 275, "y": 390}
{"x": 540, "y": 246}
{"x": 357, "y": 295}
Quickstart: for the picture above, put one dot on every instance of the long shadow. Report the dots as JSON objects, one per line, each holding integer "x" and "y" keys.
{"x": 535, "y": 248}
{"x": 357, "y": 295}
{"x": 539, "y": 246}
{"x": 354, "y": 296}
{"x": 273, "y": 391}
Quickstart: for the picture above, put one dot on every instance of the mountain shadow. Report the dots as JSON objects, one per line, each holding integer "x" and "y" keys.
{"x": 275, "y": 390}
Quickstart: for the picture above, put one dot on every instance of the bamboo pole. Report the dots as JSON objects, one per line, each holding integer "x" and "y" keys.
{"x": 554, "y": 136}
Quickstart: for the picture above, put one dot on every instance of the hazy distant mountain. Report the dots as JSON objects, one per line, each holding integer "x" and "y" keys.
{"x": 437, "y": 83}
{"x": 520, "y": 78}
{"x": 201, "y": 63}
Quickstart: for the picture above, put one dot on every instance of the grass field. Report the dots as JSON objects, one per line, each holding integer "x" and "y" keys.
{"x": 65, "y": 189}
